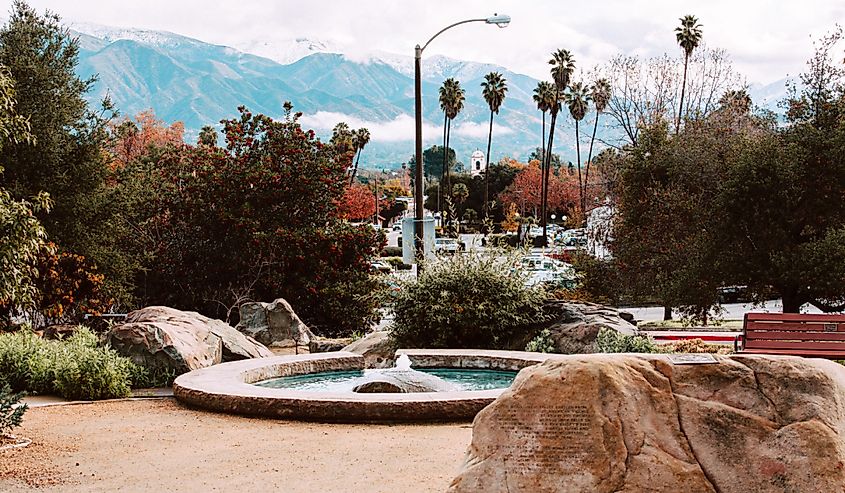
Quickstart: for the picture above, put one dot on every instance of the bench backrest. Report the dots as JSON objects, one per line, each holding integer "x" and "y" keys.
{"x": 787, "y": 331}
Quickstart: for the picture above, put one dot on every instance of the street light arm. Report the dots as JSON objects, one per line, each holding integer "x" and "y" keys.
{"x": 447, "y": 28}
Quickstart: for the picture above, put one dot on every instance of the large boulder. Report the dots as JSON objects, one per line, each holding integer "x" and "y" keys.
{"x": 167, "y": 338}
{"x": 236, "y": 346}
{"x": 273, "y": 324}
{"x": 377, "y": 348}
{"x": 633, "y": 423}
{"x": 574, "y": 326}
{"x": 401, "y": 380}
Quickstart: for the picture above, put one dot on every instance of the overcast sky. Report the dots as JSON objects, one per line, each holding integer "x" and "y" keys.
{"x": 767, "y": 40}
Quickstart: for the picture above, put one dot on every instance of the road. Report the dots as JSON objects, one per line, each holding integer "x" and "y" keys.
{"x": 732, "y": 311}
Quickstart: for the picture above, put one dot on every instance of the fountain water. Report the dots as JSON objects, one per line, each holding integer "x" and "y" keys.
{"x": 401, "y": 379}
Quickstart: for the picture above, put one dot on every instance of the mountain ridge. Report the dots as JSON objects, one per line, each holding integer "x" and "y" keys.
{"x": 201, "y": 83}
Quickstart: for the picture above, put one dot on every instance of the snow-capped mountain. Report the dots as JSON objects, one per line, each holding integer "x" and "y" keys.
{"x": 289, "y": 50}
{"x": 198, "y": 83}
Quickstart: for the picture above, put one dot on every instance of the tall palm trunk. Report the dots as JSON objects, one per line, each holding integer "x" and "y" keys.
{"x": 543, "y": 137}
{"x": 590, "y": 154}
{"x": 683, "y": 89}
{"x": 546, "y": 172}
{"x": 542, "y": 166}
{"x": 355, "y": 168}
{"x": 580, "y": 182}
{"x": 487, "y": 169}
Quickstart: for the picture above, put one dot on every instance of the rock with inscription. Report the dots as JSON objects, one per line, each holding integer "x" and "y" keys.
{"x": 575, "y": 326}
{"x": 634, "y": 423}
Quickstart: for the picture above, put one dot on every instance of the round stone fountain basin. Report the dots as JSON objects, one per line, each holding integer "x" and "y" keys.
{"x": 230, "y": 388}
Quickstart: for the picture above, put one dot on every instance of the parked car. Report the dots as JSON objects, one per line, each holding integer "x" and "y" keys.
{"x": 546, "y": 270}
{"x": 446, "y": 245}
{"x": 381, "y": 266}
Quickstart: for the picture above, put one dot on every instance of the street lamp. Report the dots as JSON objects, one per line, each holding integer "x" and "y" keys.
{"x": 497, "y": 20}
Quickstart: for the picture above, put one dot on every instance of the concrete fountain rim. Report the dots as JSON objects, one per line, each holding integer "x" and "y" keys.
{"x": 229, "y": 388}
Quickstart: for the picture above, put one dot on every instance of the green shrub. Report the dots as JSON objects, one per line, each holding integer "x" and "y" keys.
{"x": 75, "y": 368}
{"x": 541, "y": 343}
{"x": 142, "y": 377}
{"x": 85, "y": 371}
{"x": 11, "y": 414}
{"x": 467, "y": 301}
{"x": 391, "y": 252}
{"x": 27, "y": 362}
{"x": 393, "y": 261}
{"x": 612, "y": 341}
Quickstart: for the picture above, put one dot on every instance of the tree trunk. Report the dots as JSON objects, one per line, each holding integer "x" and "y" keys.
{"x": 543, "y": 139}
{"x": 791, "y": 301}
{"x": 683, "y": 89}
{"x": 487, "y": 169}
{"x": 355, "y": 168}
{"x": 542, "y": 171}
{"x": 590, "y": 154}
{"x": 548, "y": 165}
{"x": 667, "y": 312}
{"x": 580, "y": 182}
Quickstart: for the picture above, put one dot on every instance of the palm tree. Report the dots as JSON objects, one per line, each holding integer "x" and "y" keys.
{"x": 601, "y": 98}
{"x": 444, "y": 105}
{"x": 689, "y": 37}
{"x": 739, "y": 100}
{"x": 360, "y": 139}
{"x": 563, "y": 65}
{"x": 544, "y": 95}
{"x": 452, "y": 98}
{"x": 494, "y": 93}
{"x": 578, "y": 101}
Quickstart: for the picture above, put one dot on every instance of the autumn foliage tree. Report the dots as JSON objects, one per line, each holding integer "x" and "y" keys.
{"x": 526, "y": 191}
{"x": 132, "y": 138}
{"x": 358, "y": 202}
{"x": 257, "y": 220}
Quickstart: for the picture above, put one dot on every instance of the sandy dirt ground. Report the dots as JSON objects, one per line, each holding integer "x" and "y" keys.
{"x": 159, "y": 445}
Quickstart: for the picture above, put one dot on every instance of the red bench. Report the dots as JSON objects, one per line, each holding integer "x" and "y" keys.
{"x": 819, "y": 336}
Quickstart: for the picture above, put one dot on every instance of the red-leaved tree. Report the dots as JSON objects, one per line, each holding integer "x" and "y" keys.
{"x": 358, "y": 202}
{"x": 526, "y": 191}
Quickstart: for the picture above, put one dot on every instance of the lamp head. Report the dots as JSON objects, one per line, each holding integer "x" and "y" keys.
{"x": 499, "y": 20}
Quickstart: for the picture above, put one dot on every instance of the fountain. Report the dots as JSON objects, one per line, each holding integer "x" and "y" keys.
{"x": 441, "y": 385}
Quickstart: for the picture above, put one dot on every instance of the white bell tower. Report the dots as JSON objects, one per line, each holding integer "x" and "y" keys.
{"x": 476, "y": 163}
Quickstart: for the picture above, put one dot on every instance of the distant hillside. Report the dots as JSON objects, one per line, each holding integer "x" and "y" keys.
{"x": 200, "y": 83}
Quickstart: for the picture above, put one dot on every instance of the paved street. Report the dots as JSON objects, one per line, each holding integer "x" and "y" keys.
{"x": 733, "y": 311}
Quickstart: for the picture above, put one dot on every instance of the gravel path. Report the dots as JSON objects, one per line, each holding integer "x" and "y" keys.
{"x": 159, "y": 445}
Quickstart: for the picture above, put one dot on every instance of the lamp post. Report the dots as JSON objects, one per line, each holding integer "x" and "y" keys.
{"x": 496, "y": 19}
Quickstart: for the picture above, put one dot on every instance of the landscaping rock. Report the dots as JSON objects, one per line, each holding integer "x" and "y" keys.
{"x": 399, "y": 380}
{"x": 633, "y": 423}
{"x": 377, "y": 348}
{"x": 236, "y": 346}
{"x": 164, "y": 338}
{"x": 59, "y": 331}
{"x": 574, "y": 326}
{"x": 273, "y": 324}
{"x": 167, "y": 338}
{"x": 326, "y": 345}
